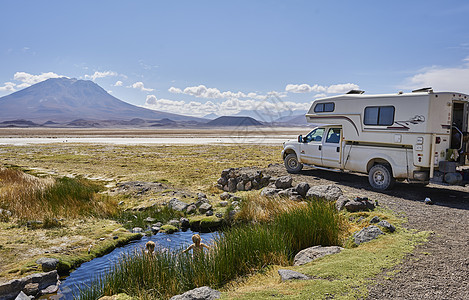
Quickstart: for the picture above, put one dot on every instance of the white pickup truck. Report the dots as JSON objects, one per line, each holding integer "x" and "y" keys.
{"x": 419, "y": 137}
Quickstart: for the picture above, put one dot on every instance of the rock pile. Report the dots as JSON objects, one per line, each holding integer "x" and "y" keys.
{"x": 242, "y": 179}
{"x": 33, "y": 285}
{"x": 282, "y": 187}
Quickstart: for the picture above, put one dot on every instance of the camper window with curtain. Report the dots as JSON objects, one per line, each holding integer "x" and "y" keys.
{"x": 379, "y": 115}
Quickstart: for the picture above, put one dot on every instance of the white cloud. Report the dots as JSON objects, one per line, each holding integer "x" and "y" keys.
{"x": 228, "y": 107}
{"x": 175, "y": 90}
{"x": 441, "y": 79}
{"x": 8, "y": 87}
{"x": 101, "y": 75}
{"x": 202, "y": 91}
{"x": 332, "y": 89}
{"x": 341, "y": 88}
{"x": 139, "y": 86}
{"x": 29, "y": 79}
{"x": 118, "y": 83}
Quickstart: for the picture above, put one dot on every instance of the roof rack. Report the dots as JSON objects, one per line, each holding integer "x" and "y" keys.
{"x": 356, "y": 92}
{"x": 422, "y": 90}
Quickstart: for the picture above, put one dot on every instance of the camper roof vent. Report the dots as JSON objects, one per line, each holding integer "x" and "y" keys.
{"x": 356, "y": 92}
{"x": 423, "y": 90}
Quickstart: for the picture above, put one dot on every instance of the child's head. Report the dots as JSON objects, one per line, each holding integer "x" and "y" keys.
{"x": 150, "y": 246}
{"x": 196, "y": 239}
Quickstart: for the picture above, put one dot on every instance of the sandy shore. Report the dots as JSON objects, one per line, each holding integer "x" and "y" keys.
{"x": 251, "y": 131}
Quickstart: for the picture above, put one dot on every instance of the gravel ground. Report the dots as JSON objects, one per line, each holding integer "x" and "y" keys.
{"x": 438, "y": 269}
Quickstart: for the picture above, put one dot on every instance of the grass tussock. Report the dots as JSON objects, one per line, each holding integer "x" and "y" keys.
{"x": 258, "y": 209}
{"x": 32, "y": 198}
{"x": 239, "y": 251}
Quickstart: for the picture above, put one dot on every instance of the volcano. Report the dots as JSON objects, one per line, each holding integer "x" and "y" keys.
{"x": 65, "y": 99}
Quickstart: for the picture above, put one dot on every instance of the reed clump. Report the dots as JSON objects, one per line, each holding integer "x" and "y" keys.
{"x": 32, "y": 198}
{"x": 236, "y": 252}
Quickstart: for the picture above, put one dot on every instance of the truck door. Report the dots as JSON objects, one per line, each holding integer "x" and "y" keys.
{"x": 311, "y": 148}
{"x": 330, "y": 153}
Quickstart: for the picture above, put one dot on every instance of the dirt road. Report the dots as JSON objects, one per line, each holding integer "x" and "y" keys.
{"x": 438, "y": 269}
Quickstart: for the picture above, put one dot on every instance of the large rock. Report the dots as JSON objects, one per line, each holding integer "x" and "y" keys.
{"x": 341, "y": 202}
{"x": 269, "y": 192}
{"x": 176, "y": 204}
{"x": 359, "y": 204}
{"x": 329, "y": 192}
{"x": 231, "y": 186}
{"x": 9, "y": 290}
{"x": 309, "y": 254}
{"x": 204, "y": 208}
{"x": 225, "y": 196}
{"x": 367, "y": 234}
{"x": 289, "y": 275}
{"x": 48, "y": 264}
{"x": 202, "y": 293}
{"x": 283, "y": 182}
{"x": 302, "y": 188}
{"x": 23, "y": 296}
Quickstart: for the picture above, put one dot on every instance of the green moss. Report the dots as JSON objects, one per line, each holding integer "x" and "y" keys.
{"x": 203, "y": 223}
{"x": 69, "y": 262}
{"x": 169, "y": 229}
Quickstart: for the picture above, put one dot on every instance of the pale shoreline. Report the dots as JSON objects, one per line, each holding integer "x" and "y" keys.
{"x": 160, "y": 136}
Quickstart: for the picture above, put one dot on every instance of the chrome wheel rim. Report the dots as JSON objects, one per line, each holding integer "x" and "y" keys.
{"x": 379, "y": 177}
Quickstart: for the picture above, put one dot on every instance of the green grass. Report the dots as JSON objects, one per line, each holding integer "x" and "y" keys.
{"x": 347, "y": 275}
{"x": 45, "y": 199}
{"x": 237, "y": 252}
{"x": 317, "y": 223}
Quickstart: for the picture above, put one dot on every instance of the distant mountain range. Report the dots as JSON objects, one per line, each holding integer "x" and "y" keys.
{"x": 65, "y": 102}
{"x": 234, "y": 121}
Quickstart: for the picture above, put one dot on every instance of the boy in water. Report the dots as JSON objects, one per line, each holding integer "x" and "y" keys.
{"x": 197, "y": 247}
{"x": 149, "y": 247}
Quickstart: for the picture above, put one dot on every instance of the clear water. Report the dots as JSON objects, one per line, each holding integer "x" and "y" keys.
{"x": 84, "y": 274}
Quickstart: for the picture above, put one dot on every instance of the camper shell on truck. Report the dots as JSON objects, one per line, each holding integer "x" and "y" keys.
{"x": 420, "y": 137}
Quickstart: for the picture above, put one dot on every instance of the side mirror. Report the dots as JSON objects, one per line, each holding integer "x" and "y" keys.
{"x": 300, "y": 139}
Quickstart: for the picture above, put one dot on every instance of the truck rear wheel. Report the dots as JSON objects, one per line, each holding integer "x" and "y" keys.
{"x": 292, "y": 164}
{"x": 380, "y": 177}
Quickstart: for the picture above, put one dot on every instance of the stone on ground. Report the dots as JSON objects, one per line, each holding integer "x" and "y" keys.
{"x": 289, "y": 275}
{"x": 330, "y": 192}
{"x": 387, "y": 226}
{"x": 309, "y": 254}
{"x": 284, "y": 182}
{"x": 202, "y": 293}
{"x": 367, "y": 234}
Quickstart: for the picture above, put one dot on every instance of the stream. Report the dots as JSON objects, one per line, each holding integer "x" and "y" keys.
{"x": 84, "y": 274}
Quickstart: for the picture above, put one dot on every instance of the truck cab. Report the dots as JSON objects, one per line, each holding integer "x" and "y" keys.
{"x": 321, "y": 147}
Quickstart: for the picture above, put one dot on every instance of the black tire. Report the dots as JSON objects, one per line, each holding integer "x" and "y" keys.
{"x": 292, "y": 164}
{"x": 380, "y": 177}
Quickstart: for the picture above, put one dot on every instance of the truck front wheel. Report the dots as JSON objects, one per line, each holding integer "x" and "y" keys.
{"x": 380, "y": 177}
{"x": 292, "y": 164}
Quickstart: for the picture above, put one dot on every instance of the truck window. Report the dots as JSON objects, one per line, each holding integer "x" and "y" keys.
{"x": 379, "y": 115}
{"x": 324, "y": 107}
{"x": 333, "y": 136}
{"x": 315, "y": 135}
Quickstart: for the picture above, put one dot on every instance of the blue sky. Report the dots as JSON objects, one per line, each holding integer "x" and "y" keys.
{"x": 199, "y": 57}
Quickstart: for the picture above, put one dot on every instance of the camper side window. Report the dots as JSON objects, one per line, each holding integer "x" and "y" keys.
{"x": 324, "y": 107}
{"x": 379, "y": 115}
